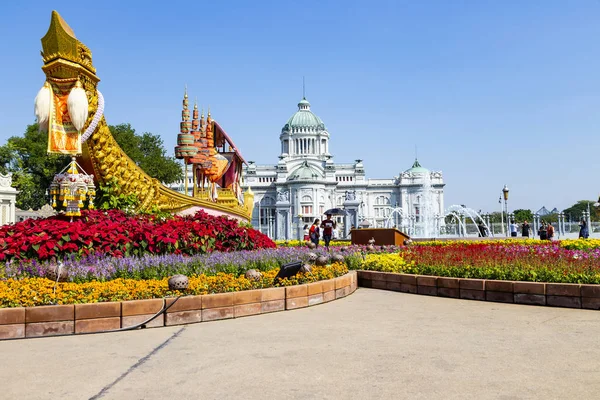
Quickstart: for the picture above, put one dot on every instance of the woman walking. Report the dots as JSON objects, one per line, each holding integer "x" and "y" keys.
{"x": 315, "y": 232}
{"x": 583, "y": 229}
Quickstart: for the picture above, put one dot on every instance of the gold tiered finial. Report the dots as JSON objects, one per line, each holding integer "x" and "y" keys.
{"x": 60, "y": 43}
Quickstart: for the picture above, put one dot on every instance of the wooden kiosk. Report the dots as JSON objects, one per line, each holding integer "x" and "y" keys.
{"x": 382, "y": 236}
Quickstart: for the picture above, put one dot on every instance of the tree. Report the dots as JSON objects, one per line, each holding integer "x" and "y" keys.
{"x": 523, "y": 215}
{"x": 148, "y": 152}
{"x": 575, "y": 212}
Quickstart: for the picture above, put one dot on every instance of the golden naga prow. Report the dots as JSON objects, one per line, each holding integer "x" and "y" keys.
{"x": 82, "y": 130}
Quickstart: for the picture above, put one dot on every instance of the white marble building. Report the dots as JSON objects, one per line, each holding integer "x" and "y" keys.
{"x": 8, "y": 199}
{"x": 306, "y": 182}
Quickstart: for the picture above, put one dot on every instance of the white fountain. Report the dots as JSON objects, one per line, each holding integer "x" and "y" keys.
{"x": 460, "y": 214}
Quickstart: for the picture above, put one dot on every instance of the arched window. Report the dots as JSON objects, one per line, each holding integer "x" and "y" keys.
{"x": 306, "y": 199}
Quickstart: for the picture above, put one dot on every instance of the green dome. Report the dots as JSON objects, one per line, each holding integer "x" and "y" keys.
{"x": 304, "y": 118}
{"x": 305, "y": 173}
{"x": 417, "y": 169}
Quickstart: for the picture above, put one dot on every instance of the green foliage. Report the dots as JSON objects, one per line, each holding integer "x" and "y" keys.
{"x": 147, "y": 151}
{"x": 33, "y": 169}
{"x": 160, "y": 214}
{"x": 575, "y": 212}
{"x": 245, "y": 224}
{"x": 354, "y": 261}
{"x": 109, "y": 198}
{"x": 523, "y": 215}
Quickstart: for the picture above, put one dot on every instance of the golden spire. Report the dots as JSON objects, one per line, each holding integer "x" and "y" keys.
{"x": 60, "y": 44}
{"x": 195, "y": 122}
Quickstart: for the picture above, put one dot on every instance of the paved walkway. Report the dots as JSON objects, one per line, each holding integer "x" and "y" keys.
{"x": 370, "y": 345}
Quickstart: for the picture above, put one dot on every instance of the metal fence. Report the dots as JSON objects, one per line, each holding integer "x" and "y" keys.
{"x": 571, "y": 230}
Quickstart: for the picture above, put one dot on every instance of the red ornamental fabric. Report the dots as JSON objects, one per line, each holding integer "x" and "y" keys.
{"x": 230, "y": 175}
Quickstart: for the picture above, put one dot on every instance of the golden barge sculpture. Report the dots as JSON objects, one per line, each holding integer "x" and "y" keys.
{"x": 76, "y": 126}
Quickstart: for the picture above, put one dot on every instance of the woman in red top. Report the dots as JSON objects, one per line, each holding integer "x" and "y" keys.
{"x": 306, "y": 233}
{"x": 328, "y": 226}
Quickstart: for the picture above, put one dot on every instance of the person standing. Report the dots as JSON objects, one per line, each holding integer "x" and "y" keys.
{"x": 550, "y": 231}
{"x": 583, "y": 229}
{"x": 306, "y": 233}
{"x": 525, "y": 229}
{"x": 513, "y": 228}
{"x": 543, "y": 232}
{"x": 315, "y": 232}
{"x": 328, "y": 226}
{"x": 482, "y": 230}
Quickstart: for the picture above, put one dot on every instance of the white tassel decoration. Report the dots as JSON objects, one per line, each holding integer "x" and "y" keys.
{"x": 78, "y": 106}
{"x": 42, "y": 106}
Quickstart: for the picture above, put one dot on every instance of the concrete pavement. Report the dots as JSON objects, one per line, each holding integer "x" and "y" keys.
{"x": 371, "y": 345}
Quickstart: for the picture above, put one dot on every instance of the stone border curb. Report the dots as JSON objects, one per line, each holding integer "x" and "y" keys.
{"x": 25, "y": 322}
{"x": 534, "y": 293}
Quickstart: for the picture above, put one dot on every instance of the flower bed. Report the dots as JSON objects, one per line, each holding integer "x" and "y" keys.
{"x": 101, "y": 268}
{"x": 116, "y": 234}
{"x": 508, "y": 260}
{"x": 300, "y": 243}
{"x": 68, "y": 319}
{"x": 98, "y": 278}
{"x": 40, "y": 291}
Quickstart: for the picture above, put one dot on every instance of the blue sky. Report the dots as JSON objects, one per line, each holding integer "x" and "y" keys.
{"x": 491, "y": 92}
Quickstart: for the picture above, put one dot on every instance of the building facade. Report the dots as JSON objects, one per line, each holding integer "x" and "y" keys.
{"x": 8, "y": 200}
{"x": 306, "y": 182}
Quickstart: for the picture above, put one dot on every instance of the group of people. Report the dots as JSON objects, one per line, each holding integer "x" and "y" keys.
{"x": 545, "y": 231}
{"x": 314, "y": 232}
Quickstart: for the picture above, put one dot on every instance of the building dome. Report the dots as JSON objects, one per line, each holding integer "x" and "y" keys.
{"x": 417, "y": 169}
{"x": 304, "y": 118}
{"x": 305, "y": 173}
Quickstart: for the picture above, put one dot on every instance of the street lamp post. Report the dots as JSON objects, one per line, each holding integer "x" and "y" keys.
{"x": 501, "y": 215}
{"x": 505, "y": 193}
{"x": 589, "y": 221}
{"x": 586, "y": 215}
